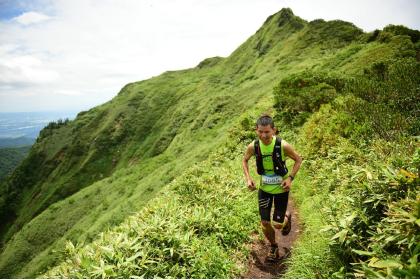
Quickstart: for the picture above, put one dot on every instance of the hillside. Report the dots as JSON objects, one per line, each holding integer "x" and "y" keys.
{"x": 10, "y": 158}
{"x": 162, "y": 142}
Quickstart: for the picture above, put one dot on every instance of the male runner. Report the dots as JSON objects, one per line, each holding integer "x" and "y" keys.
{"x": 271, "y": 152}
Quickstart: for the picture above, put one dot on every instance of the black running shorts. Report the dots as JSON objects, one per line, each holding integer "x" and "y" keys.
{"x": 265, "y": 202}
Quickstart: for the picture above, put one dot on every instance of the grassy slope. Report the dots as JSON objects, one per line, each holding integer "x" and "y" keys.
{"x": 328, "y": 191}
{"x": 179, "y": 234}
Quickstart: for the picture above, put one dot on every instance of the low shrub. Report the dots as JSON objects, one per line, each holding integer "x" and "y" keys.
{"x": 197, "y": 228}
{"x": 299, "y": 95}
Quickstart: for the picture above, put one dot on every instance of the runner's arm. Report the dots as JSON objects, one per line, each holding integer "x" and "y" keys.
{"x": 248, "y": 154}
{"x": 291, "y": 153}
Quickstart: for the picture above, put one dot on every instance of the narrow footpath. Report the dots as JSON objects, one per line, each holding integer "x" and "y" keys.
{"x": 257, "y": 266}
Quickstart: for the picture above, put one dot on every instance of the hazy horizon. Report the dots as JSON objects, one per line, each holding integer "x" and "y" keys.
{"x": 28, "y": 124}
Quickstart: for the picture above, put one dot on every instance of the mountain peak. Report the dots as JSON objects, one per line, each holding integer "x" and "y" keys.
{"x": 283, "y": 17}
{"x": 286, "y": 13}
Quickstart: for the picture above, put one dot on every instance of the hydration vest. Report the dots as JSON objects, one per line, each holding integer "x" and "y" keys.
{"x": 278, "y": 164}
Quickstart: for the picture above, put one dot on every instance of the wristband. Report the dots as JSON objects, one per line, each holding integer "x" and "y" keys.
{"x": 291, "y": 177}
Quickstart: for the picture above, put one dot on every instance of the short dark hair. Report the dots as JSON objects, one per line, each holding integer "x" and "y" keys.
{"x": 265, "y": 120}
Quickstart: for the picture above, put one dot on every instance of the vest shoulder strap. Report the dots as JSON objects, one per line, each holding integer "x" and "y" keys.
{"x": 278, "y": 149}
{"x": 258, "y": 157}
{"x": 278, "y": 158}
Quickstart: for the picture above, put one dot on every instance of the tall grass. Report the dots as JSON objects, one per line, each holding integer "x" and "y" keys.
{"x": 196, "y": 228}
{"x": 362, "y": 161}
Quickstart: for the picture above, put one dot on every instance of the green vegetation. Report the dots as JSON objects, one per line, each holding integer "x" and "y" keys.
{"x": 149, "y": 184}
{"x": 10, "y": 158}
{"x": 362, "y": 160}
{"x": 49, "y": 128}
{"x": 300, "y": 95}
{"x": 178, "y": 235}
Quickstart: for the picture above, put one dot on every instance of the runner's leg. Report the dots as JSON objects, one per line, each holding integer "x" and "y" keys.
{"x": 280, "y": 207}
{"x": 265, "y": 202}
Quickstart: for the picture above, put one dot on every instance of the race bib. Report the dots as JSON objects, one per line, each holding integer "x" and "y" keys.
{"x": 271, "y": 180}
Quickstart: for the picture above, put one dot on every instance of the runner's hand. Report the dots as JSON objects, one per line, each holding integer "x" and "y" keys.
{"x": 287, "y": 184}
{"x": 251, "y": 185}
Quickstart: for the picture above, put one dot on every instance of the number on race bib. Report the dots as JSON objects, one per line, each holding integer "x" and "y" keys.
{"x": 271, "y": 180}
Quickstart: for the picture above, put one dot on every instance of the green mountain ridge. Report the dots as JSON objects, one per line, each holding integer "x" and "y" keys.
{"x": 87, "y": 175}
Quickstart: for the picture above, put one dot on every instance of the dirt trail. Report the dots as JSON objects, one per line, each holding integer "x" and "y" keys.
{"x": 257, "y": 266}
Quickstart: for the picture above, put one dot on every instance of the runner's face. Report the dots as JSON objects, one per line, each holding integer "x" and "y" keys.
{"x": 265, "y": 133}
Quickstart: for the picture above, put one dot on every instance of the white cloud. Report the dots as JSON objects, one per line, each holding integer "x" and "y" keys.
{"x": 31, "y": 18}
{"x": 21, "y": 70}
{"x": 68, "y": 92}
{"x": 81, "y": 53}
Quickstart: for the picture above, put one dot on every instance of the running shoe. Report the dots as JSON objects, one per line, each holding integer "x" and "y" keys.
{"x": 274, "y": 254}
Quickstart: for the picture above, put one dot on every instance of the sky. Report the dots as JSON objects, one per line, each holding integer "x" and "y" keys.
{"x": 73, "y": 55}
